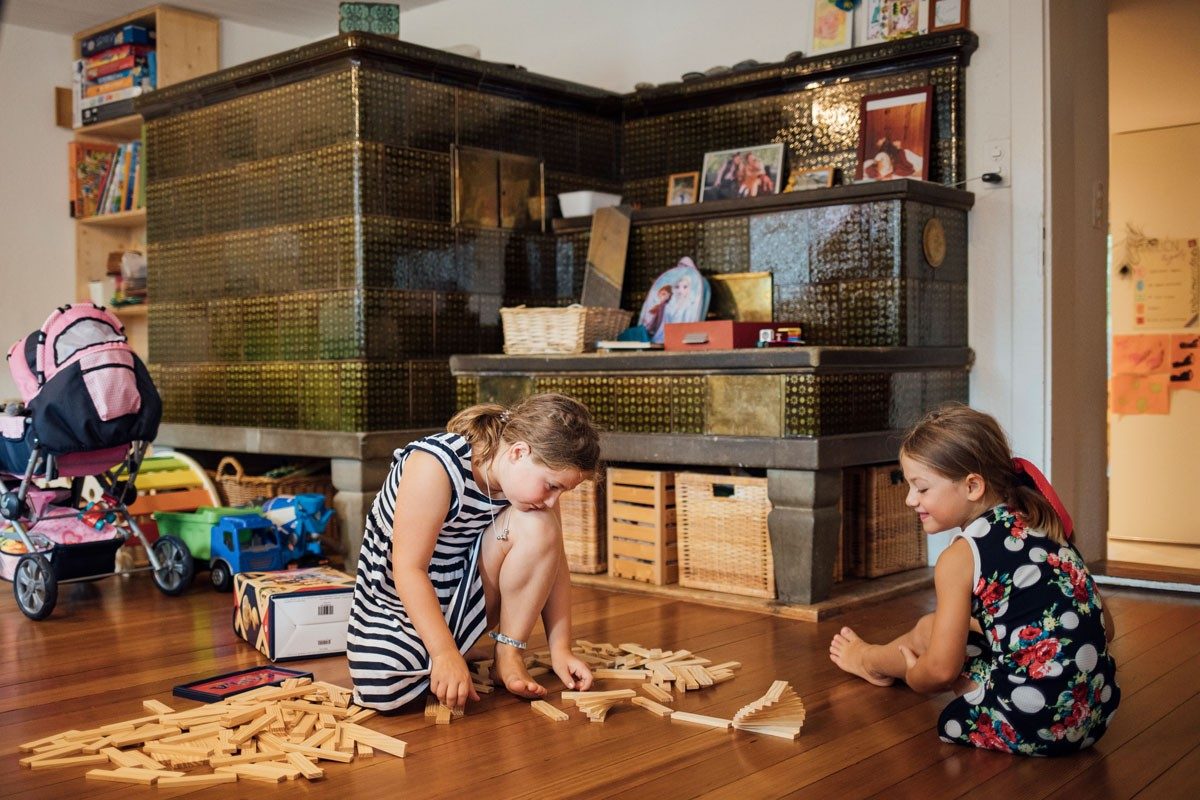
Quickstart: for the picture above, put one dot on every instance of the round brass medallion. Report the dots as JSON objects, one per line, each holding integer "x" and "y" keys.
{"x": 934, "y": 241}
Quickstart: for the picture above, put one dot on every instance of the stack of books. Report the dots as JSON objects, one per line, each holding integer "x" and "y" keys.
{"x": 106, "y": 178}
{"x": 115, "y": 66}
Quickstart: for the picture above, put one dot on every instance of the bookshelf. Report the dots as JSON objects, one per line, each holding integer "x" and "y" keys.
{"x": 187, "y": 45}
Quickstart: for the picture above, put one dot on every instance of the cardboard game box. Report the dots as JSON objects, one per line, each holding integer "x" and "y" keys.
{"x": 296, "y": 613}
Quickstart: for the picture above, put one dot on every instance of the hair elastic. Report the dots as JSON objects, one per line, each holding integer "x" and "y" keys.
{"x": 1031, "y": 476}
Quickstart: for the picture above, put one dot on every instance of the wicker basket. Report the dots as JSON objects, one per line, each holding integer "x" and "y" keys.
{"x": 723, "y": 541}
{"x": 239, "y": 489}
{"x": 574, "y": 329}
{"x": 583, "y": 527}
{"x": 881, "y": 535}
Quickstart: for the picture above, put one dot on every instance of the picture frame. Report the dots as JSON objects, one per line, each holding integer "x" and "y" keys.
{"x": 888, "y": 20}
{"x": 894, "y": 135}
{"x": 683, "y": 188}
{"x": 742, "y": 172}
{"x": 219, "y": 687}
{"x": 802, "y": 180}
{"x": 832, "y": 29}
{"x": 947, "y": 15}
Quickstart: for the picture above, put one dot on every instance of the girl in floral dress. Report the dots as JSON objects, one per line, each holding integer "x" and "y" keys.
{"x": 1013, "y": 594}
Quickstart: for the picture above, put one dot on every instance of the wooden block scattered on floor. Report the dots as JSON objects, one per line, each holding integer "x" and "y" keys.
{"x": 653, "y": 707}
{"x": 547, "y": 710}
{"x": 198, "y": 780}
{"x": 700, "y": 719}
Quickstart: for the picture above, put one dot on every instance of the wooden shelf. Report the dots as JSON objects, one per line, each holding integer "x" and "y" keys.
{"x": 138, "y": 311}
{"x": 125, "y": 129}
{"x": 121, "y": 219}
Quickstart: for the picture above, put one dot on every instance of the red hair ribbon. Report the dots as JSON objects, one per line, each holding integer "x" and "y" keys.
{"x": 1026, "y": 470}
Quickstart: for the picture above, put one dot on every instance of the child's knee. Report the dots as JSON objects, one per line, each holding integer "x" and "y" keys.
{"x": 538, "y": 528}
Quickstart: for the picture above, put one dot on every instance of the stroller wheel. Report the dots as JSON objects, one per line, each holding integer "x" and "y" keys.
{"x": 35, "y": 586}
{"x": 176, "y": 567}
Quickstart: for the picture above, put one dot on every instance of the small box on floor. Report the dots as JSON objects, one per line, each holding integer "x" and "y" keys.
{"x": 293, "y": 613}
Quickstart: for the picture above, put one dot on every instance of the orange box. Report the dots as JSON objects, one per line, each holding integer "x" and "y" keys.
{"x": 718, "y": 334}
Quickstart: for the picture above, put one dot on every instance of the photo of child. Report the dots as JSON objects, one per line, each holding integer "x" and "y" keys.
{"x": 894, "y": 135}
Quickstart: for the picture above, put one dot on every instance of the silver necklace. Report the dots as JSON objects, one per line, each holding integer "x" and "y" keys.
{"x": 501, "y": 536}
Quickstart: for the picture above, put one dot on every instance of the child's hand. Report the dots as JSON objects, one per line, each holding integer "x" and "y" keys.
{"x": 571, "y": 670}
{"x": 450, "y": 679}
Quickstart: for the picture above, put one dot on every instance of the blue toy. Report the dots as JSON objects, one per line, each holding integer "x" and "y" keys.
{"x": 302, "y": 518}
{"x": 245, "y": 543}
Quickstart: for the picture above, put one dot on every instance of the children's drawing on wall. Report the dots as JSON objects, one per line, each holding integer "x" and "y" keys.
{"x": 1139, "y": 394}
{"x": 1166, "y": 276}
{"x": 1185, "y": 360}
{"x": 1140, "y": 355}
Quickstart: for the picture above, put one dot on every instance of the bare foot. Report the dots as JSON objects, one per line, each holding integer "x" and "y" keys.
{"x": 512, "y": 673}
{"x": 847, "y": 650}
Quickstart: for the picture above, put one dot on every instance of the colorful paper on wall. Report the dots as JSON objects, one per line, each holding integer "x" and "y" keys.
{"x": 1185, "y": 361}
{"x": 1140, "y": 354}
{"x": 1139, "y": 394}
{"x": 1166, "y": 274}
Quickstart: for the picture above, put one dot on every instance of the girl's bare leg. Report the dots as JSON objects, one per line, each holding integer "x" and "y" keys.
{"x": 879, "y": 664}
{"x": 517, "y": 577}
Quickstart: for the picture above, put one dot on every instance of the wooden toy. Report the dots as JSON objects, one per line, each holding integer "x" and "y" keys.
{"x": 780, "y": 712}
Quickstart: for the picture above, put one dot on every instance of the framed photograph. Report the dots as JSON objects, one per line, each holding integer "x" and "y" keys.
{"x": 945, "y": 15}
{"x": 742, "y": 172}
{"x": 891, "y": 19}
{"x": 683, "y": 188}
{"x": 210, "y": 690}
{"x": 893, "y": 137}
{"x": 804, "y": 179}
{"x": 832, "y": 28}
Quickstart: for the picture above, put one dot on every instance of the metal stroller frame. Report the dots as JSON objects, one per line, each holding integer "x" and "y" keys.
{"x": 39, "y": 573}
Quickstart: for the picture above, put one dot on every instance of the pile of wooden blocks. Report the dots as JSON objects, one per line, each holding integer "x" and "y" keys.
{"x": 780, "y": 712}
{"x": 269, "y": 734}
{"x": 657, "y": 670}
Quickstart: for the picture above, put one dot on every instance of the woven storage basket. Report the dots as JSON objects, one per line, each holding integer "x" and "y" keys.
{"x": 574, "y": 329}
{"x": 239, "y": 489}
{"x": 723, "y": 541}
{"x": 881, "y": 535}
{"x": 583, "y": 527}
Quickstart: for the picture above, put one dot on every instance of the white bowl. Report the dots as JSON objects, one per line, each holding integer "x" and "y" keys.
{"x": 583, "y": 204}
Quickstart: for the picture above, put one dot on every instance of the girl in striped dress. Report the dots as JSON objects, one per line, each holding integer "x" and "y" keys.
{"x": 464, "y": 538}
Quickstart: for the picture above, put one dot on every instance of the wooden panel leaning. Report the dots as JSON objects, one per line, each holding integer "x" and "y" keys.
{"x": 723, "y": 541}
{"x": 641, "y": 526}
{"x": 583, "y": 527}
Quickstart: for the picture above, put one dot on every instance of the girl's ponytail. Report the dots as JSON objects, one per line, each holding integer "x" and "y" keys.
{"x": 1038, "y": 512}
{"x": 482, "y": 426}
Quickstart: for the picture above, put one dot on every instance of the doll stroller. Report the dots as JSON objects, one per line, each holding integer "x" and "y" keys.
{"x": 89, "y": 409}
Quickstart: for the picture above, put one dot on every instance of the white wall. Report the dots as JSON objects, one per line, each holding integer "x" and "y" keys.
{"x": 37, "y": 236}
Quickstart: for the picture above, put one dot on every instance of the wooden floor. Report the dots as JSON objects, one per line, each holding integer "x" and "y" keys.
{"x": 114, "y": 643}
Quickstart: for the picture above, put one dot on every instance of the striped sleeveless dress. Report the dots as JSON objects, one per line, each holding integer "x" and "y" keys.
{"x": 389, "y": 664}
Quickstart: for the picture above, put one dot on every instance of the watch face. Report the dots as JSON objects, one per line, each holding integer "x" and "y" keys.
{"x": 934, "y": 241}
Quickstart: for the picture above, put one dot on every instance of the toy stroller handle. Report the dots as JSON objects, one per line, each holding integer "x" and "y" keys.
{"x": 230, "y": 461}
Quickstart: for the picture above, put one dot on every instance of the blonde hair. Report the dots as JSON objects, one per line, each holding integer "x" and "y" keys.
{"x": 558, "y": 429}
{"x": 956, "y": 440}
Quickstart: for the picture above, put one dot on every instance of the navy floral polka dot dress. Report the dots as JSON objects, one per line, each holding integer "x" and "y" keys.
{"x": 1046, "y": 682}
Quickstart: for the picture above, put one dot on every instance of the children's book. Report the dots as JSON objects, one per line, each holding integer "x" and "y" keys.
{"x": 90, "y": 164}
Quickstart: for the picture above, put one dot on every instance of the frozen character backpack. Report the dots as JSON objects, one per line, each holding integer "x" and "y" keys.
{"x": 83, "y": 386}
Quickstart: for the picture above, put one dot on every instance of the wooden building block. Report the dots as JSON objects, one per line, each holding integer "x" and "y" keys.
{"x": 307, "y": 768}
{"x": 621, "y": 674}
{"x": 198, "y": 780}
{"x": 547, "y": 710}
{"x": 377, "y": 740}
{"x": 658, "y": 693}
{"x": 69, "y": 761}
{"x": 251, "y": 773}
{"x": 700, "y": 719}
{"x": 653, "y": 707}
{"x": 442, "y": 717}
{"x": 156, "y": 707}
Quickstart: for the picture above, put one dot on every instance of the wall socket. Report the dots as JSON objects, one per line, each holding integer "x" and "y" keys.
{"x": 996, "y": 158}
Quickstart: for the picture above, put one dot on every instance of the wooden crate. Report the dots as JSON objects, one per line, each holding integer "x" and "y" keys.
{"x": 723, "y": 541}
{"x": 583, "y": 527}
{"x": 641, "y": 526}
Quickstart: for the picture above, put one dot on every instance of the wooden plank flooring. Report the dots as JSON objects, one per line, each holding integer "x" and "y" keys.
{"x": 111, "y": 644}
